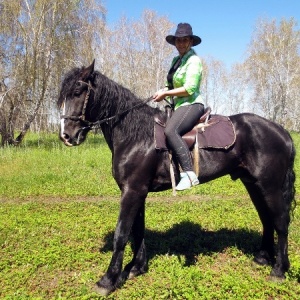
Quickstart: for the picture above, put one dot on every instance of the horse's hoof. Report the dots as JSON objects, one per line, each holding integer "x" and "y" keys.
{"x": 262, "y": 258}
{"x": 134, "y": 273}
{"x": 131, "y": 275}
{"x": 262, "y": 261}
{"x": 276, "y": 279}
{"x": 102, "y": 290}
{"x": 276, "y": 275}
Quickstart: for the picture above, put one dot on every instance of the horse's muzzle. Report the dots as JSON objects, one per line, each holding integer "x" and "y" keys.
{"x": 75, "y": 140}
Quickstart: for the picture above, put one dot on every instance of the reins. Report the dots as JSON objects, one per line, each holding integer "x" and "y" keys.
{"x": 94, "y": 125}
{"x": 97, "y": 124}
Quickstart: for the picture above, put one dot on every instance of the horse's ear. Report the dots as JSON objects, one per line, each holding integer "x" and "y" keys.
{"x": 87, "y": 72}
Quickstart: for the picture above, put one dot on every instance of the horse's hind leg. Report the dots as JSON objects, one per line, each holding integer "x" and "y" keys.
{"x": 281, "y": 219}
{"x": 266, "y": 254}
{"x": 279, "y": 216}
{"x": 274, "y": 216}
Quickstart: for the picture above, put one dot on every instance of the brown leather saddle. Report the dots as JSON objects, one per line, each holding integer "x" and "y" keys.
{"x": 211, "y": 131}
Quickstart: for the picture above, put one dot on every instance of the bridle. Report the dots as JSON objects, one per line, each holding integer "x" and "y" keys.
{"x": 86, "y": 100}
{"x": 93, "y": 125}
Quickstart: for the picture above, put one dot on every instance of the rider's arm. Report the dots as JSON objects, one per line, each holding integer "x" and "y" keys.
{"x": 161, "y": 94}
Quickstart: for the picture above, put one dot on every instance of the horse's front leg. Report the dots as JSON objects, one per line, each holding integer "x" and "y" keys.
{"x": 138, "y": 265}
{"x": 131, "y": 204}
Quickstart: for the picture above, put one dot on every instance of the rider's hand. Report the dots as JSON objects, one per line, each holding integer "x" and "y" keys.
{"x": 159, "y": 95}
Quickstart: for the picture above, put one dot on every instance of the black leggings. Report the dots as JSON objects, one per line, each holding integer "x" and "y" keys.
{"x": 182, "y": 121}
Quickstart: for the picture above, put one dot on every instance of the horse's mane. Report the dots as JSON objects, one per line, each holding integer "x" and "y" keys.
{"x": 111, "y": 98}
{"x": 114, "y": 99}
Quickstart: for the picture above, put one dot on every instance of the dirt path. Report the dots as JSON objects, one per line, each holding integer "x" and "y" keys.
{"x": 58, "y": 199}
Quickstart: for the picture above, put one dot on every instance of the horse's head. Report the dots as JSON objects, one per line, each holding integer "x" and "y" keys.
{"x": 75, "y": 94}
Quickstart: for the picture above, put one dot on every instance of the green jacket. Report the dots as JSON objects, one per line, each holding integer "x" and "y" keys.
{"x": 188, "y": 75}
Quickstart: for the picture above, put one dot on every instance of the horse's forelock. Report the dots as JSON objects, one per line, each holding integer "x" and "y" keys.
{"x": 68, "y": 83}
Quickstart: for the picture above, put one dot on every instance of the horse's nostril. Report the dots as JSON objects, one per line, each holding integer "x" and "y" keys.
{"x": 66, "y": 139}
{"x": 66, "y": 136}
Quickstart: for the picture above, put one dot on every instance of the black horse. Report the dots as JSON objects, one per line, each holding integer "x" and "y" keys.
{"x": 262, "y": 158}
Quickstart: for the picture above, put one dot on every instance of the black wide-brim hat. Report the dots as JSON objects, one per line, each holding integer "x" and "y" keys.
{"x": 183, "y": 29}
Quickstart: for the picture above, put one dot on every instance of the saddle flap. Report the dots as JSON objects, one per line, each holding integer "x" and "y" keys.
{"x": 190, "y": 137}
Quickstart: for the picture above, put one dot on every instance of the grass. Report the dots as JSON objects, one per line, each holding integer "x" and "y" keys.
{"x": 59, "y": 207}
{"x": 45, "y": 167}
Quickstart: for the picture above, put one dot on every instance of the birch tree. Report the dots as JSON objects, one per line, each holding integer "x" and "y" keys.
{"x": 214, "y": 85}
{"x": 237, "y": 91}
{"x": 274, "y": 70}
{"x": 137, "y": 55}
{"x": 40, "y": 39}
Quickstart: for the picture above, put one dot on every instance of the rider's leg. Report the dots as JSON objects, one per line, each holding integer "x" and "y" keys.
{"x": 182, "y": 121}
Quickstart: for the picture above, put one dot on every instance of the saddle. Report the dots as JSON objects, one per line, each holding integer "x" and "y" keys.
{"x": 211, "y": 131}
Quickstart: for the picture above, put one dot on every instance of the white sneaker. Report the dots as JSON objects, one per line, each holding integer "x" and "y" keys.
{"x": 187, "y": 180}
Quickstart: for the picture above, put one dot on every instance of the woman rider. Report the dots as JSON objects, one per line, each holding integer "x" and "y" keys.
{"x": 183, "y": 83}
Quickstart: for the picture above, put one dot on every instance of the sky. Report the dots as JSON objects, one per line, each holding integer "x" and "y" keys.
{"x": 225, "y": 26}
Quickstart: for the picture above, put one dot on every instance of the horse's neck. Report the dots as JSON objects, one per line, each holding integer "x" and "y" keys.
{"x": 108, "y": 135}
{"x": 133, "y": 127}
{"x": 122, "y": 107}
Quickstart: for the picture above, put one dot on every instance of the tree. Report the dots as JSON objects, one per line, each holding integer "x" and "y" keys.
{"x": 214, "y": 85}
{"x": 237, "y": 91}
{"x": 39, "y": 39}
{"x": 135, "y": 54}
{"x": 274, "y": 70}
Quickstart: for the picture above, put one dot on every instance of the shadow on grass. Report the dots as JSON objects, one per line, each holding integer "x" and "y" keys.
{"x": 190, "y": 240}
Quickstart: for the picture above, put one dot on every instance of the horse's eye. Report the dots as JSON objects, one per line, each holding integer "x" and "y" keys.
{"x": 77, "y": 88}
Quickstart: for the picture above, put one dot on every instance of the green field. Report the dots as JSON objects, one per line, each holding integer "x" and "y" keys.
{"x": 59, "y": 208}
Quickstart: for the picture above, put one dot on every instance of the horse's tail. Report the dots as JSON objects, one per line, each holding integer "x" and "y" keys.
{"x": 289, "y": 183}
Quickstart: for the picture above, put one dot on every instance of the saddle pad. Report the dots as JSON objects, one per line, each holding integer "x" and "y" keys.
{"x": 220, "y": 134}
